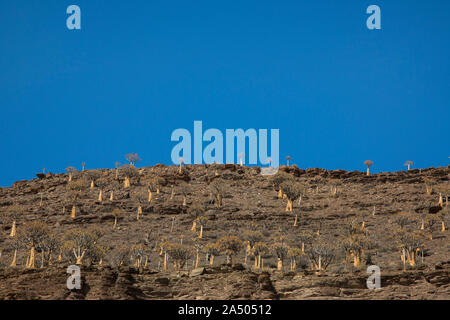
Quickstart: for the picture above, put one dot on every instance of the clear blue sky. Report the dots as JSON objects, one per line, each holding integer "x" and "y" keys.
{"x": 137, "y": 70}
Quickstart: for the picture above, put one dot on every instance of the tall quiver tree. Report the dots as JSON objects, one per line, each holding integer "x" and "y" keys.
{"x": 71, "y": 171}
{"x": 212, "y": 251}
{"x": 293, "y": 191}
{"x": 12, "y": 214}
{"x": 218, "y": 190}
{"x": 195, "y": 210}
{"x": 408, "y": 164}
{"x": 280, "y": 250}
{"x": 202, "y": 221}
{"x": 132, "y": 158}
{"x": 230, "y": 246}
{"x": 277, "y": 179}
{"x": 81, "y": 243}
{"x": 288, "y": 158}
{"x": 368, "y": 163}
{"x": 31, "y": 235}
{"x": 129, "y": 172}
{"x": 117, "y": 213}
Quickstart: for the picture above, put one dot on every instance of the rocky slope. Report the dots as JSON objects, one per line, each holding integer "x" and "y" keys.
{"x": 250, "y": 202}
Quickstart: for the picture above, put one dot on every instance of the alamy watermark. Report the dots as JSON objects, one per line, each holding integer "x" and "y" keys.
{"x": 214, "y": 151}
{"x": 74, "y": 281}
{"x": 374, "y": 281}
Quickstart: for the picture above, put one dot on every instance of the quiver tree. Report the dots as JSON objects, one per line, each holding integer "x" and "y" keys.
{"x": 229, "y": 246}
{"x": 76, "y": 189}
{"x": 241, "y": 158}
{"x": 408, "y": 164}
{"x": 92, "y": 176}
{"x": 184, "y": 192}
{"x": 444, "y": 216}
{"x": 120, "y": 256}
{"x": 334, "y": 186}
{"x": 47, "y": 245}
{"x": 195, "y": 211}
{"x": 218, "y": 190}
{"x": 281, "y": 252}
{"x": 260, "y": 249}
{"x": 410, "y": 243}
{"x": 355, "y": 244}
{"x": 132, "y": 158}
{"x": 304, "y": 238}
{"x": 31, "y": 235}
{"x": 368, "y": 163}
{"x": 16, "y": 245}
{"x": 80, "y": 243}
{"x": 320, "y": 255}
{"x": 429, "y": 183}
{"x": 288, "y": 158}
{"x": 12, "y": 214}
{"x": 180, "y": 168}
{"x": 251, "y": 237}
{"x": 118, "y": 214}
{"x": 293, "y": 191}
{"x": 71, "y": 171}
{"x": 140, "y": 198}
{"x": 129, "y": 172}
{"x": 202, "y": 221}
{"x": 430, "y": 222}
{"x": 138, "y": 254}
{"x": 117, "y": 166}
{"x": 157, "y": 183}
{"x": 403, "y": 219}
{"x": 212, "y": 251}
{"x": 293, "y": 253}
{"x": 179, "y": 253}
{"x": 277, "y": 179}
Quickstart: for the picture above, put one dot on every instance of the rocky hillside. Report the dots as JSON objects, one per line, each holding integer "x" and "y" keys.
{"x": 349, "y": 219}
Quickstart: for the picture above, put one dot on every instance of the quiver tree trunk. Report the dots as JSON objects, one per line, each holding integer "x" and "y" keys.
{"x": 422, "y": 226}
{"x": 197, "y": 260}
{"x": 100, "y": 196}
{"x": 92, "y": 184}
{"x": 139, "y": 212}
{"x": 73, "y": 214}
{"x": 368, "y": 171}
{"x": 211, "y": 260}
{"x": 126, "y": 182}
{"x": 442, "y": 226}
{"x": 303, "y": 248}
{"x": 31, "y": 260}
{"x": 13, "y": 229}
{"x": 115, "y": 222}
{"x": 295, "y": 221}
{"x": 219, "y": 200}
{"x": 441, "y": 200}
{"x": 357, "y": 259}
{"x": 184, "y": 201}
{"x": 201, "y": 232}
{"x": 289, "y": 205}
{"x": 70, "y": 176}
{"x": 14, "y": 261}
{"x": 149, "y": 195}
{"x": 194, "y": 226}
{"x": 280, "y": 194}
{"x": 157, "y": 190}
{"x": 279, "y": 264}
{"x": 111, "y": 197}
{"x": 165, "y": 262}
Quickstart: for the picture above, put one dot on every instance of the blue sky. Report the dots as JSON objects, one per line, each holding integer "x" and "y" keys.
{"x": 137, "y": 70}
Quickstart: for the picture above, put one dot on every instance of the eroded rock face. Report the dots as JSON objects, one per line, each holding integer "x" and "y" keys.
{"x": 249, "y": 202}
